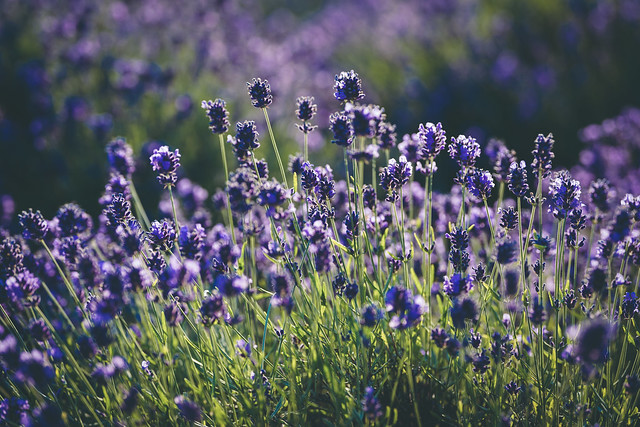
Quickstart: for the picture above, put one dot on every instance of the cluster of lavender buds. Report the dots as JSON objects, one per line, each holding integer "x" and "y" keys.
{"x": 344, "y": 293}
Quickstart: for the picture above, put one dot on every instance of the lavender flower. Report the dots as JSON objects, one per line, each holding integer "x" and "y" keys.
{"x": 162, "y": 234}
{"x": 502, "y": 162}
{"x": 457, "y": 284}
{"x": 439, "y": 337}
{"x": 260, "y": 93}
{"x": 600, "y": 194}
{"x": 119, "y": 210}
{"x": 386, "y": 135}
{"x": 218, "y": 115}
{"x": 394, "y": 176}
{"x": 432, "y": 139}
{"x": 506, "y": 251}
{"x": 189, "y": 410}
{"x": 542, "y": 155}
{"x": 166, "y": 163}
{"x": 364, "y": 119}
{"x": 406, "y": 309}
{"x": 120, "y": 156}
{"x": 465, "y": 150}
{"x": 72, "y": 220}
{"x": 371, "y": 315}
{"x": 564, "y": 194}
{"x": 34, "y": 226}
{"x": 246, "y": 139}
{"x": 463, "y": 310}
{"x": 232, "y": 286}
{"x": 509, "y": 218}
{"x": 480, "y": 183}
{"x": 370, "y": 406}
{"x": 593, "y": 341}
{"x": 342, "y": 129}
{"x": 517, "y": 179}
{"x": 348, "y": 86}
{"x": 212, "y": 310}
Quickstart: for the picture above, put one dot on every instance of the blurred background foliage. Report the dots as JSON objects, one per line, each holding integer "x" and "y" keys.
{"x": 76, "y": 73}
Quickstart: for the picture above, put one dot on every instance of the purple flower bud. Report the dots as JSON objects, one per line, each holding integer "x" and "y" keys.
{"x": 166, "y": 163}
{"x": 260, "y": 93}
{"x": 465, "y": 150}
{"x": 218, "y": 115}
{"x": 348, "y": 86}
{"x": 34, "y": 226}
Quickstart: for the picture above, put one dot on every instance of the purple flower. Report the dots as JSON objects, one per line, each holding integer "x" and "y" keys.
{"x": 410, "y": 148}
{"x": 306, "y": 109}
{"x": 352, "y": 225}
{"x": 629, "y": 306}
{"x": 11, "y": 258}
{"x": 542, "y": 155}
{"x": 166, "y": 163}
{"x": 120, "y": 156}
{"x": 456, "y": 285}
{"x": 432, "y": 140}
{"x": 517, "y": 179}
{"x": 600, "y": 193}
{"x": 480, "y": 183}
{"x": 506, "y": 251}
{"x": 536, "y": 312}
{"x": 508, "y": 218}
{"x": 512, "y": 388}
{"x": 564, "y": 195}
{"x": 272, "y": 194}
{"x": 342, "y": 129}
{"x": 34, "y": 369}
{"x": 232, "y": 286}
{"x": 191, "y": 242}
{"x": 218, "y": 115}
{"x": 364, "y": 119}
{"x": 33, "y": 225}
{"x": 246, "y": 139}
{"x": 439, "y": 337}
{"x": 260, "y": 93}
{"x": 280, "y": 284}
{"x": 130, "y": 401}
{"x": 118, "y": 211}
{"x": 593, "y": 340}
{"x": 370, "y": 406}
{"x": 371, "y": 315}
{"x": 502, "y": 160}
{"x": 348, "y": 86}
{"x": 394, "y": 176}
{"x": 463, "y": 310}
{"x": 173, "y": 313}
{"x": 72, "y": 220}
{"x": 212, "y": 310}
{"x": 386, "y": 135}
{"x": 407, "y": 309}
{"x": 162, "y": 234}
{"x": 188, "y": 410}
{"x": 465, "y": 150}
{"x": 511, "y": 282}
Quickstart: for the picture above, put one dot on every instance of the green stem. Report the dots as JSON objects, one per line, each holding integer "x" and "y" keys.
{"x": 275, "y": 149}
{"x": 223, "y": 153}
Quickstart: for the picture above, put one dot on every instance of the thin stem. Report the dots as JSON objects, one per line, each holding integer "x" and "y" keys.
{"x": 275, "y": 149}
{"x": 223, "y": 154}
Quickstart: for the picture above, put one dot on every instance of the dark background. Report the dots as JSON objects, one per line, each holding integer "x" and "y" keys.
{"x": 74, "y": 74}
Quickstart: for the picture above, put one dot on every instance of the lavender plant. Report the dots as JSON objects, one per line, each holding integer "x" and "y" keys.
{"x": 368, "y": 300}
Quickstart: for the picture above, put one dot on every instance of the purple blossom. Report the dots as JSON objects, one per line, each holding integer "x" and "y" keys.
{"x": 465, "y": 150}
{"x": 457, "y": 284}
{"x": 166, "y": 163}
{"x": 394, "y": 176}
{"x": 406, "y": 309}
{"x": 432, "y": 140}
{"x": 260, "y": 93}
{"x": 348, "y": 86}
{"x": 480, "y": 183}
{"x": 218, "y": 115}
{"x": 517, "y": 179}
{"x": 342, "y": 129}
{"x": 542, "y": 155}
{"x": 564, "y": 195}
{"x": 33, "y": 225}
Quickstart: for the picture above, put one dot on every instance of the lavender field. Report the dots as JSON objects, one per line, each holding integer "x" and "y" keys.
{"x": 349, "y": 213}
